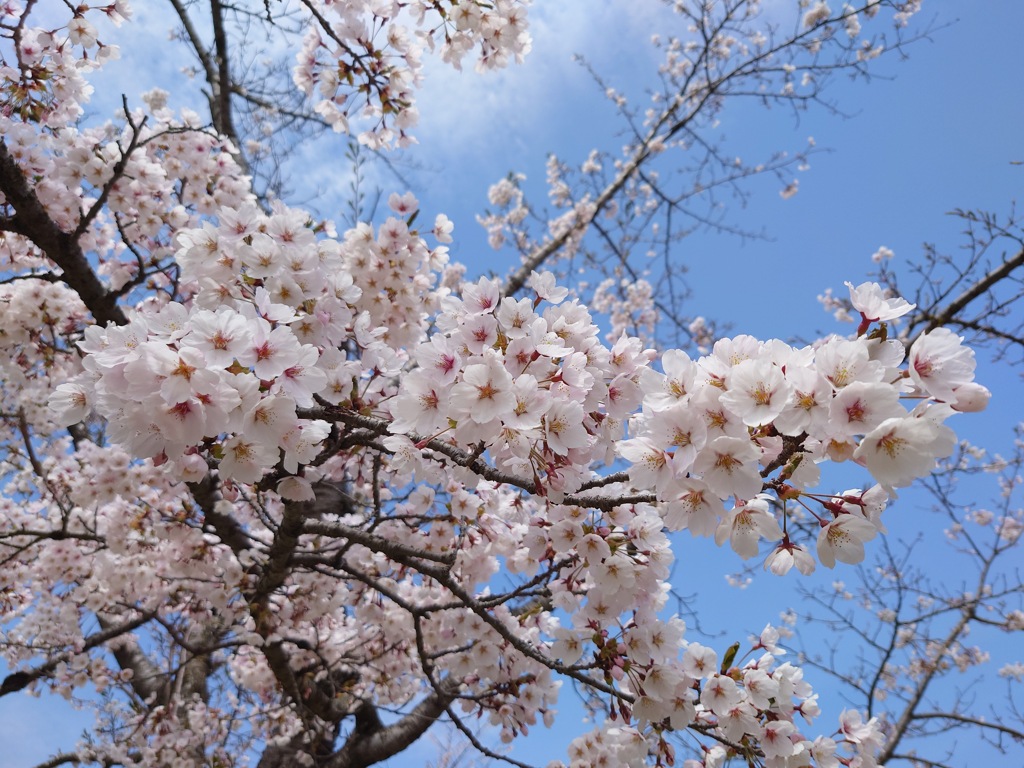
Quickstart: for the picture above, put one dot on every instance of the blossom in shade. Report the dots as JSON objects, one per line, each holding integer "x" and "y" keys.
{"x": 70, "y": 402}
{"x": 302, "y": 444}
{"x": 270, "y": 419}
{"x": 245, "y": 460}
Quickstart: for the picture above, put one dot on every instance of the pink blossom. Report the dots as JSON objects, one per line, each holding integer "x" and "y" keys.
{"x": 271, "y": 352}
{"x": 729, "y": 467}
{"x": 563, "y": 427}
{"x": 757, "y": 392}
{"x": 70, "y": 402}
{"x": 971, "y": 398}
{"x": 485, "y": 391}
{"x": 939, "y": 364}
{"x": 694, "y": 507}
{"x": 869, "y": 299}
{"x": 682, "y": 431}
{"x": 651, "y": 465}
{"x": 221, "y": 336}
{"x": 421, "y": 406}
{"x": 677, "y": 383}
{"x": 744, "y": 527}
{"x": 720, "y": 694}
{"x": 270, "y": 419}
{"x": 787, "y": 555}
{"x": 546, "y": 287}
{"x": 861, "y": 406}
{"x": 245, "y": 461}
{"x": 843, "y": 540}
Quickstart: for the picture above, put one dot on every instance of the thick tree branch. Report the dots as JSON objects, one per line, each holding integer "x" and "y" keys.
{"x": 223, "y": 120}
{"x": 61, "y": 759}
{"x": 62, "y": 248}
{"x": 364, "y": 748}
{"x": 147, "y": 681}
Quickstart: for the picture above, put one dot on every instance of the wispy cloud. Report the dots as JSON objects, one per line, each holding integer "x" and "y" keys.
{"x": 462, "y": 112}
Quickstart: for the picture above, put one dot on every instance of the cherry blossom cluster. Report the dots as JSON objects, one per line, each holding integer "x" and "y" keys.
{"x": 535, "y": 386}
{"x": 546, "y": 400}
{"x": 611, "y": 581}
{"x": 715, "y": 428}
{"x": 760, "y": 701}
{"x": 123, "y": 187}
{"x": 42, "y": 76}
{"x": 128, "y": 539}
{"x": 273, "y": 310}
{"x": 155, "y": 174}
{"x": 362, "y": 61}
{"x": 614, "y": 589}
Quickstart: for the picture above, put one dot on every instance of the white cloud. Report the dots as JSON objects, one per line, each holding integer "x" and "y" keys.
{"x": 148, "y": 60}
{"x": 464, "y": 111}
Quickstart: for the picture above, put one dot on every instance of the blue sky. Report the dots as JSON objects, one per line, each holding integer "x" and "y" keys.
{"x": 937, "y": 131}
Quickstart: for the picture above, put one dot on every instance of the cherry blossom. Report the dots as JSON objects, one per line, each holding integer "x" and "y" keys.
{"x": 874, "y": 306}
{"x": 744, "y": 527}
{"x": 939, "y": 364}
{"x": 843, "y": 540}
{"x": 786, "y": 556}
{"x": 901, "y": 449}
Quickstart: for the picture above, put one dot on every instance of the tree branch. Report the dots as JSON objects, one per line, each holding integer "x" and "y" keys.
{"x": 62, "y": 248}
{"x": 948, "y": 315}
{"x": 16, "y": 681}
{"x": 362, "y": 749}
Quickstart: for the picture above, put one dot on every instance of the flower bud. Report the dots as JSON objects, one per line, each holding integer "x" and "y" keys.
{"x": 971, "y": 398}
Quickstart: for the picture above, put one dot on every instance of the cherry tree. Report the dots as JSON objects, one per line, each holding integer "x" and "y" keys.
{"x": 281, "y": 495}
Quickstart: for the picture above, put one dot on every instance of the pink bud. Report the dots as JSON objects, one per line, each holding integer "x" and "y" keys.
{"x": 971, "y": 398}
